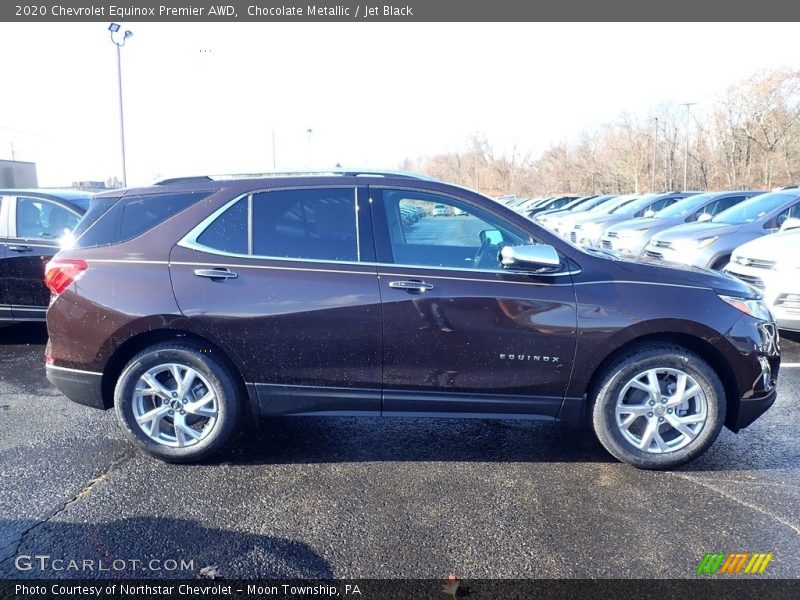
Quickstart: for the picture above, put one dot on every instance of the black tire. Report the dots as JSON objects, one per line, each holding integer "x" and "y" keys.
{"x": 625, "y": 368}
{"x": 217, "y": 376}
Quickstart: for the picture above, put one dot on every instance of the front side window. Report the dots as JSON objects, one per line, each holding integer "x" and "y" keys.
{"x": 312, "y": 224}
{"x": 42, "y": 220}
{"x": 429, "y": 230}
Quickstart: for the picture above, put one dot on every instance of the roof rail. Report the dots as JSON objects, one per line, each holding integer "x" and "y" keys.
{"x": 341, "y": 172}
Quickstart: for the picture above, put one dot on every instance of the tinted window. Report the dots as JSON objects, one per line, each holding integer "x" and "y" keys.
{"x": 145, "y": 212}
{"x": 43, "y": 220}
{"x": 778, "y": 220}
{"x": 686, "y": 205}
{"x": 315, "y": 224}
{"x": 134, "y": 215}
{"x": 459, "y": 237}
{"x": 228, "y": 232}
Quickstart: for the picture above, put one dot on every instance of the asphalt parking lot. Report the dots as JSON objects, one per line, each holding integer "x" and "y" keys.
{"x": 383, "y": 498}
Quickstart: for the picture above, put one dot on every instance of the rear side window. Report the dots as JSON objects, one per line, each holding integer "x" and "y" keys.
{"x": 228, "y": 232}
{"x": 317, "y": 224}
{"x": 134, "y": 215}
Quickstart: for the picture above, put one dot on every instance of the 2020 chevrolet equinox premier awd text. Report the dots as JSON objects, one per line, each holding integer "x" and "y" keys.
{"x": 190, "y": 303}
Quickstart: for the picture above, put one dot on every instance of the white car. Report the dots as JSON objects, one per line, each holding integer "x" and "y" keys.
{"x": 440, "y": 210}
{"x": 772, "y": 265}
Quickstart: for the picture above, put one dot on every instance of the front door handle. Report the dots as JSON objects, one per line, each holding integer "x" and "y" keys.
{"x": 216, "y": 273}
{"x": 411, "y": 285}
{"x": 20, "y": 248}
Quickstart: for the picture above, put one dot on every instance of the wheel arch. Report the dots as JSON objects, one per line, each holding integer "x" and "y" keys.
{"x": 135, "y": 344}
{"x": 699, "y": 346}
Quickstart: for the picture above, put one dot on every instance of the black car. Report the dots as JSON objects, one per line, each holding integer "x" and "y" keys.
{"x": 188, "y": 305}
{"x": 31, "y": 224}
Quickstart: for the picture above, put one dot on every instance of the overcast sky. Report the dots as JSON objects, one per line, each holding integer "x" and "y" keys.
{"x": 205, "y": 98}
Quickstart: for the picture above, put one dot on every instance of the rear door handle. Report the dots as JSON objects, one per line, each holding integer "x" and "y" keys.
{"x": 411, "y": 285}
{"x": 20, "y": 248}
{"x": 216, "y": 273}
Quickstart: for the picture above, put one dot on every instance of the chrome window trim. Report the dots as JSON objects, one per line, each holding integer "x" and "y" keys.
{"x": 5, "y": 204}
{"x": 358, "y": 231}
{"x": 190, "y": 239}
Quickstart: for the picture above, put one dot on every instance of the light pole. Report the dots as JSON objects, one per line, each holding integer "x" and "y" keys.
{"x": 308, "y": 131}
{"x": 688, "y": 106}
{"x": 119, "y": 42}
{"x": 655, "y": 149}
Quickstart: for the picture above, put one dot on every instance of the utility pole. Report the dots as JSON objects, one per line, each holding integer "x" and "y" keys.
{"x": 655, "y": 149}
{"x": 688, "y": 106}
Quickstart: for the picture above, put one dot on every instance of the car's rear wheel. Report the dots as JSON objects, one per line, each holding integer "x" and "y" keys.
{"x": 658, "y": 407}
{"x": 177, "y": 402}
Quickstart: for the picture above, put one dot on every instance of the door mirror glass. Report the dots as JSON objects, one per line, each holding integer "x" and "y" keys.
{"x": 539, "y": 255}
{"x": 704, "y": 217}
{"x": 650, "y": 213}
{"x": 493, "y": 236}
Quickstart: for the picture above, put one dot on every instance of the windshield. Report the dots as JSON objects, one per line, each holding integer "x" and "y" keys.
{"x": 611, "y": 204}
{"x": 754, "y": 208}
{"x": 630, "y": 208}
{"x": 685, "y": 206}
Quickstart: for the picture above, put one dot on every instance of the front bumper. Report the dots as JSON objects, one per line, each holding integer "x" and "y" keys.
{"x": 83, "y": 387}
{"x": 752, "y": 408}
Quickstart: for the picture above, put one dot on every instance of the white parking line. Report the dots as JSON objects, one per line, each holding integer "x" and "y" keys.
{"x": 790, "y": 365}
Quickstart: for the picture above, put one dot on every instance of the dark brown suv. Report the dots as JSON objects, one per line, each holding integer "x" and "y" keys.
{"x": 188, "y": 304}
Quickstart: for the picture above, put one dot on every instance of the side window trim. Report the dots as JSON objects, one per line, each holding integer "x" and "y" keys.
{"x": 190, "y": 239}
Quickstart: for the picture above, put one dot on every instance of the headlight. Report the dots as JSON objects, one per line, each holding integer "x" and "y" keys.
{"x": 754, "y": 308}
{"x": 684, "y": 245}
{"x": 633, "y": 233}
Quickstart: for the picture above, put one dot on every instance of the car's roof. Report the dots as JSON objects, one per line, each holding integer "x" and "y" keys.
{"x": 57, "y": 193}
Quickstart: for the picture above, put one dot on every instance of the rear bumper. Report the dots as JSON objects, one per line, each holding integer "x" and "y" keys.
{"x": 83, "y": 387}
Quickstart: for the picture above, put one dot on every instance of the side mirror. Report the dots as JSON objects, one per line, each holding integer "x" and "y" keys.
{"x": 539, "y": 255}
{"x": 649, "y": 214}
{"x": 705, "y": 217}
{"x": 790, "y": 223}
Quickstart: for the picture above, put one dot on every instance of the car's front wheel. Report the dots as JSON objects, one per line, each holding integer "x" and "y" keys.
{"x": 658, "y": 407}
{"x": 177, "y": 402}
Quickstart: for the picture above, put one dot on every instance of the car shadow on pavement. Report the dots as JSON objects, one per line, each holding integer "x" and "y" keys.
{"x": 23, "y": 333}
{"x": 159, "y": 545}
{"x": 367, "y": 439}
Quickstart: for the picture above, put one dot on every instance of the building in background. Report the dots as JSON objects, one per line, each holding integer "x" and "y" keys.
{"x": 18, "y": 174}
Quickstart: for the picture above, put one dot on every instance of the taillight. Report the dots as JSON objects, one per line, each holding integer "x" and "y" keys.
{"x": 60, "y": 273}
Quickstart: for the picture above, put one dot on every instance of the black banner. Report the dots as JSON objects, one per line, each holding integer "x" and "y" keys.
{"x": 410, "y": 10}
{"x": 731, "y": 588}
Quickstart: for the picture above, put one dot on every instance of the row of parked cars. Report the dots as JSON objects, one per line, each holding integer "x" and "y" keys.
{"x": 193, "y": 305}
{"x": 753, "y": 235}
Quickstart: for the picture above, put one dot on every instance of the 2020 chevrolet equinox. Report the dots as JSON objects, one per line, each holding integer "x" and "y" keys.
{"x": 191, "y": 303}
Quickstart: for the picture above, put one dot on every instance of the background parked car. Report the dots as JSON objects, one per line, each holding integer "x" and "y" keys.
{"x": 710, "y": 244}
{"x": 772, "y": 264}
{"x": 589, "y": 230}
{"x": 31, "y": 223}
{"x": 557, "y": 202}
{"x": 630, "y": 238}
{"x": 564, "y": 224}
{"x": 579, "y": 205}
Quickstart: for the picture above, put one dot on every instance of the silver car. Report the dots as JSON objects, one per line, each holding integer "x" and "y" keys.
{"x": 589, "y": 230}
{"x": 630, "y": 238}
{"x": 710, "y": 244}
{"x": 563, "y": 224}
{"x": 772, "y": 265}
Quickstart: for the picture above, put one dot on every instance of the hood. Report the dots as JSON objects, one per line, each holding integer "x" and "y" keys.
{"x": 645, "y": 223}
{"x": 599, "y": 219}
{"x": 648, "y": 269}
{"x": 698, "y": 230}
{"x": 771, "y": 247}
